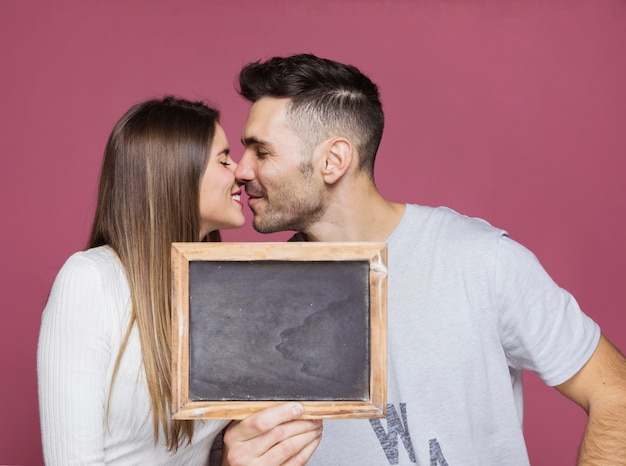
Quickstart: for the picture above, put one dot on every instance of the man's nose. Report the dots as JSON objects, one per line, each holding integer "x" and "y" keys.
{"x": 244, "y": 171}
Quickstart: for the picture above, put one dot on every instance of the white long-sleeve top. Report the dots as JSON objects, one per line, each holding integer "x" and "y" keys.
{"x": 82, "y": 328}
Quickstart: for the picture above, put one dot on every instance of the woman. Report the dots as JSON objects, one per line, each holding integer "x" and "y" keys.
{"x": 104, "y": 346}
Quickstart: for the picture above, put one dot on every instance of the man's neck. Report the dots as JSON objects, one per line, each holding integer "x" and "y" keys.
{"x": 364, "y": 217}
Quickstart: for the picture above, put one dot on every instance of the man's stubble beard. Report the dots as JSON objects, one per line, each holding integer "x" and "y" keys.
{"x": 295, "y": 214}
{"x": 293, "y": 209}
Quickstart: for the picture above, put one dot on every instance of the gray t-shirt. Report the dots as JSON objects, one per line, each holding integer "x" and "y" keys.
{"x": 469, "y": 309}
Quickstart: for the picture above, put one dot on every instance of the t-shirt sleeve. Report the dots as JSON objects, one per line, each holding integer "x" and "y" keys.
{"x": 542, "y": 326}
{"x": 72, "y": 361}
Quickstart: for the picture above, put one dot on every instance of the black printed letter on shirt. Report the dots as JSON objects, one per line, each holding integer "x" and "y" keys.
{"x": 395, "y": 427}
{"x": 436, "y": 455}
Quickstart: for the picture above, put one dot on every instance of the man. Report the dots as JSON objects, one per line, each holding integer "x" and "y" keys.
{"x": 469, "y": 308}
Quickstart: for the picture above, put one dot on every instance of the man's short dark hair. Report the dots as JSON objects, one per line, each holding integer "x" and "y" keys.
{"x": 328, "y": 98}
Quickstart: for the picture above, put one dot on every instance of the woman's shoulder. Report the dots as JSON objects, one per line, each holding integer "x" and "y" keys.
{"x": 89, "y": 280}
{"x": 101, "y": 262}
{"x": 100, "y": 256}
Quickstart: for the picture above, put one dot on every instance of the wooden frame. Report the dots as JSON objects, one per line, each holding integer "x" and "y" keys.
{"x": 254, "y": 291}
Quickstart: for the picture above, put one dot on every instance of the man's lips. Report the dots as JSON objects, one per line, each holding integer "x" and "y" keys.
{"x": 253, "y": 199}
{"x": 253, "y": 195}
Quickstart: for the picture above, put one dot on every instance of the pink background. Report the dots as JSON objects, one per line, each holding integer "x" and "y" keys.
{"x": 514, "y": 111}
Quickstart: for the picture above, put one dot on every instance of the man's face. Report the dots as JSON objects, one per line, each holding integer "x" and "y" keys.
{"x": 284, "y": 190}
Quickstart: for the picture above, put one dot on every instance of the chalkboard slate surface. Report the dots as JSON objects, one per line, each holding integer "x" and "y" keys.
{"x": 279, "y": 331}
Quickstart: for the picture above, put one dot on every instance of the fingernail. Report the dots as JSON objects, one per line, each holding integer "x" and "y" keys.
{"x": 298, "y": 410}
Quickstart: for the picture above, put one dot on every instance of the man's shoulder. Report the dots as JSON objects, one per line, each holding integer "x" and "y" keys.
{"x": 449, "y": 219}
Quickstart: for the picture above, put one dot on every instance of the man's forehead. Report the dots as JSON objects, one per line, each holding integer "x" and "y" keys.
{"x": 267, "y": 117}
{"x": 269, "y": 108}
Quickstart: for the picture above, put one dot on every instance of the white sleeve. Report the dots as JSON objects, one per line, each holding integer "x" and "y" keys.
{"x": 542, "y": 326}
{"x": 73, "y": 356}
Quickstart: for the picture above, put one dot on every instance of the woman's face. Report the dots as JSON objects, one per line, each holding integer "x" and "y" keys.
{"x": 220, "y": 205}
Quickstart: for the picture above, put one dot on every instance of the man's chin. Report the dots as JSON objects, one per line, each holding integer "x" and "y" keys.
{"x": 258, "y": 226}
{"x": 265, "y": 227}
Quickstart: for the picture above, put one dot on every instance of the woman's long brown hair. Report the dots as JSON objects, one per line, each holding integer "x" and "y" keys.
{"x": 148, "y": 198}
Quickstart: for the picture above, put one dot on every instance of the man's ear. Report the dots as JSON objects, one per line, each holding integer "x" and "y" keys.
{"x": 338, "y": 155}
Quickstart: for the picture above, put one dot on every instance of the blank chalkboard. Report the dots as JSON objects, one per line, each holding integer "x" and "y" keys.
{"x": 256, "y": 324}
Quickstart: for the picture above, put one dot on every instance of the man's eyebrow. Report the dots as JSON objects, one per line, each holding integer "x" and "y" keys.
{"x": 251, "y": 140}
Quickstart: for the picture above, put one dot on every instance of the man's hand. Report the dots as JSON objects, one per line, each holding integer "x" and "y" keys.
{"x": 274, "y": 436}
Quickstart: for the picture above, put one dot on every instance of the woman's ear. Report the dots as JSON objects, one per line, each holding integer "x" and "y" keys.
{"x": 337, "y": 159}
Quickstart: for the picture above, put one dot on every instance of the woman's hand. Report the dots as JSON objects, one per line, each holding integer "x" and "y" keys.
{"x": 274, "y": 436}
